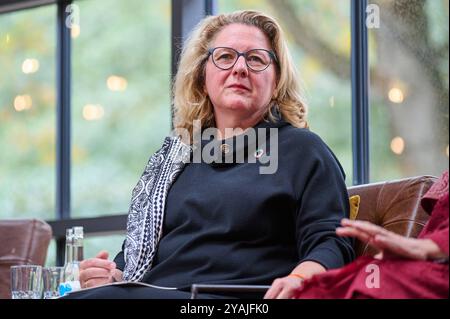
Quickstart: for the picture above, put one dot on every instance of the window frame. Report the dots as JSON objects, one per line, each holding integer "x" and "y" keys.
{"x": 360, "y": 92}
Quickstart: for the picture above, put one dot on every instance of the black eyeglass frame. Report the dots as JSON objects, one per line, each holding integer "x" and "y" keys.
{"x": 272, "y": 56}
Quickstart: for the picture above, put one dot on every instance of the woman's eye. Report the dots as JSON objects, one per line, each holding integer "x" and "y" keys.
{"x": 255, "y": 58}
{"x": 225, "y": 57}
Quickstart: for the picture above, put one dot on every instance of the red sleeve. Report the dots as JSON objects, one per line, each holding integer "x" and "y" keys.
{"x": 437, "y": 227}
{"x": 441, "y": 239}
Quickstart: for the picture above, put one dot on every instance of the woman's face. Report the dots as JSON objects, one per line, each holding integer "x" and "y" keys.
{"x": 239, "y": 89}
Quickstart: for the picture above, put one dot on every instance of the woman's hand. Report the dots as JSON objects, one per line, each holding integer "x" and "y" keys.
{"x": 98, "y": 271}
{"x": 388, "y": 242}
{"x": 284, "y": 288}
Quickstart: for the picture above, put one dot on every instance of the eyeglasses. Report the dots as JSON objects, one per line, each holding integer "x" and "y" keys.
{"x": 257, "y": 59}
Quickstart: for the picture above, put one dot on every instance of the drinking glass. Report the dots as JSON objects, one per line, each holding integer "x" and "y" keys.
{"x": 52, "y": 278}
{"x": 26, "y": 282}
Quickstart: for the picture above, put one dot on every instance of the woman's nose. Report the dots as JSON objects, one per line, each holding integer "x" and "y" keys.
{"x": 240, "y": 68}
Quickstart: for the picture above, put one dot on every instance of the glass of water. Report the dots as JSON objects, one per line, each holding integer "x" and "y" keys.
{"x": 26, "y": 282}
{"x": 52, "y": 278}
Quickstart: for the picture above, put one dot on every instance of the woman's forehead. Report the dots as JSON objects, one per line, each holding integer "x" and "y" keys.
{"x": 242, "y": 37}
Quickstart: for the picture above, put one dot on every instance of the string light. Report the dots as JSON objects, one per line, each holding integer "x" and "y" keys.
{"x": 396, "y": 95}
{"x": 30, "y": 66}
{"x": 23, "y": 103}
{"x": 75, "y": 31}
{"x": 93, "y": 112}
{"x": 116, "y": 83}
{"x": 398, "y": 145}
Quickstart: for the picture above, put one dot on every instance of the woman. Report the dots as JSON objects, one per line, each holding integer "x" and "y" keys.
{"x": 422, "y": 261}
{"x": 224, "y": 220}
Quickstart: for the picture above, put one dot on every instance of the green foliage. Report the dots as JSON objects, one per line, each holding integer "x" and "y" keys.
{"x": 130, "y": 39}
{"x": 27, "y": 138}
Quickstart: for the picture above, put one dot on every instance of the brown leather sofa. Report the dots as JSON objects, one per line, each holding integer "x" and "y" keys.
{"x": 21, "y": 242}
{"x": 394, "y": 205}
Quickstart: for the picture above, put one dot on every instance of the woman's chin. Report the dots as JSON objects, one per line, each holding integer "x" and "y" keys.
{"x": 238, "y": 105}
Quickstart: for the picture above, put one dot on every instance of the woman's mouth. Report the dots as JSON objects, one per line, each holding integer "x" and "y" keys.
{"x": 239, "y": 87}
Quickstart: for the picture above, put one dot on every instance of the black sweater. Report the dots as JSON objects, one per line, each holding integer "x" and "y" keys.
{"x": 229, "y": 224}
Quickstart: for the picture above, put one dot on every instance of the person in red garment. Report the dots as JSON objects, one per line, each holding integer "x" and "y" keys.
{"x": 404, "y": 268}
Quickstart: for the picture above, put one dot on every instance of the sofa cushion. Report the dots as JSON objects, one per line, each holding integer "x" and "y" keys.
{"x": 354, "y": 206}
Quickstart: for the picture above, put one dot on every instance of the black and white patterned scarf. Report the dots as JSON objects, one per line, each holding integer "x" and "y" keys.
{"x": 145, "y": 217}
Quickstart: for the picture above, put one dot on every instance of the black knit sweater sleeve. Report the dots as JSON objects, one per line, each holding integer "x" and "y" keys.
{"x": 322, "y": 203}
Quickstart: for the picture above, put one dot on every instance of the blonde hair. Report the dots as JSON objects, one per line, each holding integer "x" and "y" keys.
{"x": 190, "y": 99}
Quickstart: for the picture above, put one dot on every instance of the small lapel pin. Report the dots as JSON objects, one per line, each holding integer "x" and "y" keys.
{"x": 259, "y": 153}
{"x": 225, "y": 148}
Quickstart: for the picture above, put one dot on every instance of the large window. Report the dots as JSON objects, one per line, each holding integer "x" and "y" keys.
{"x": 120, "y": 99}
{"x": 409, "y": 89}
{"x": 321, "y": 54}
{"x": 120, "y": 67}
{"x": 27, "y": 113}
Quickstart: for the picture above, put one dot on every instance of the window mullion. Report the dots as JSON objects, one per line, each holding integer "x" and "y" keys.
{"x": 63, "y": 145}
{"x": 360, "y": 93}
